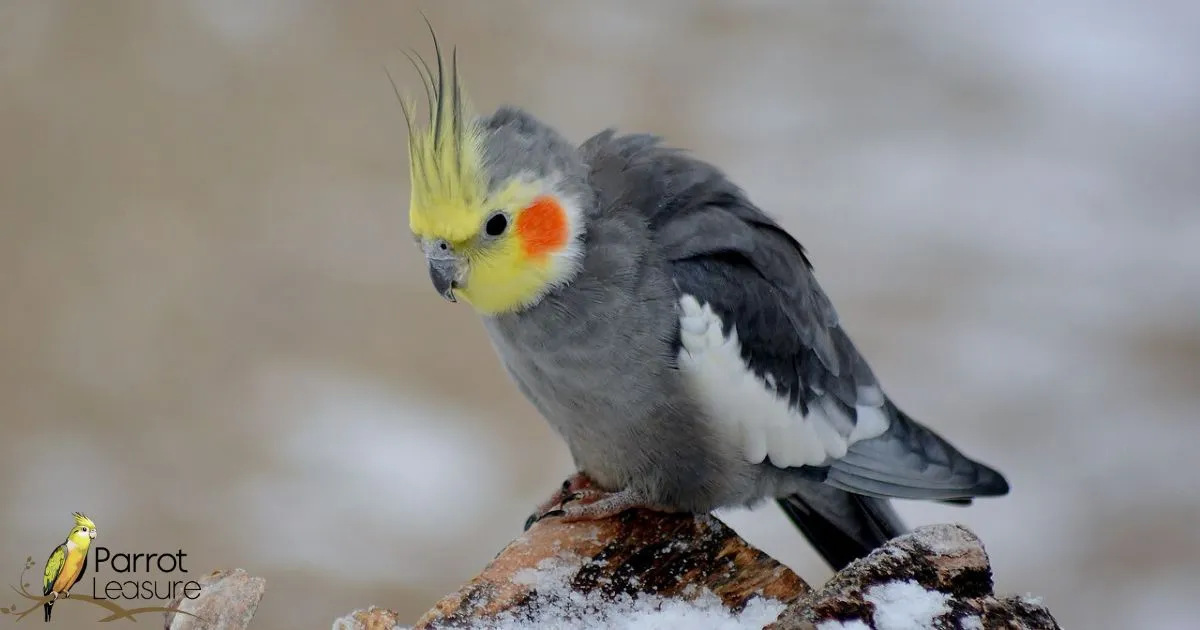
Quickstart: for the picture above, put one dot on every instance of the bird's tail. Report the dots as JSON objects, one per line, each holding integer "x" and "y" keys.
{"x": 46, "y": 607}
{"x": 840, "y": 525}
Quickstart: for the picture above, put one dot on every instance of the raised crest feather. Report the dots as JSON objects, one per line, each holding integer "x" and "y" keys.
{"x": 445, "y": 157}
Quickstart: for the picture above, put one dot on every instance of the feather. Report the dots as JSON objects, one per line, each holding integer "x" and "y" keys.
{"x": 446, "y": 154}
{"x": 841, "y": 526}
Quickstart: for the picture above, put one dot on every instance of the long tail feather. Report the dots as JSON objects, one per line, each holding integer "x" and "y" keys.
{"x": 842, "y": 526}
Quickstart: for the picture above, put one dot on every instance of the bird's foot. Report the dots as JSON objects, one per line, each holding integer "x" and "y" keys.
{"x": 579, "y": 500}
{"x": 66, "y": 594}
{"x": 593, "y": 504}
{"x": 573, "y": 485}
{"x": 53, "y": 596}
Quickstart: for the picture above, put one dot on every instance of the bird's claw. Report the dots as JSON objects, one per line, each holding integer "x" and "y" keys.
{"x": 535, "y": 517}
{"x": 583, "y": 502}
{"x": 573, "y": 488}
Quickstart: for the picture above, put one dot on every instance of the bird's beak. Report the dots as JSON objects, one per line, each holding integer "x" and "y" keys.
{"x": 445, "y": 268}
{"x": 92, "y": 534}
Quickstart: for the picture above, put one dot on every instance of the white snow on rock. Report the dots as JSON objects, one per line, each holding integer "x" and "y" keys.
{"x": 853, "y": 624}
{"x": 899, "y": 605}
{"x": 971, "y": 622}
{"x": 1033, "y": 600}
{"x": 905, "y": 605}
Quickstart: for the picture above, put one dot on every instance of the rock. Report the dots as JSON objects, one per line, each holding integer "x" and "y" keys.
{"x": 639, "y": 552}
{"x": 934, "y": 577}
{"x": 228, "y": 600}
{"x": 372, "y": 618}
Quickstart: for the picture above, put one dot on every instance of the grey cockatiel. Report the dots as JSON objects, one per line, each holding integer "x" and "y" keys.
{"x": 672, "y": 333}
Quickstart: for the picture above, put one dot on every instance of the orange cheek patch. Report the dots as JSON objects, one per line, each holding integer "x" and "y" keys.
{"x": 543, "y": 227}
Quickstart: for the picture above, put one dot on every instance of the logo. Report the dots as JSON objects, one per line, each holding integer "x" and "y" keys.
{"x": 111, "y": 586}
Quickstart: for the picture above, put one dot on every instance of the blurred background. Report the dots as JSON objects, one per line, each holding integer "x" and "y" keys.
{"x": 216, "y": 335}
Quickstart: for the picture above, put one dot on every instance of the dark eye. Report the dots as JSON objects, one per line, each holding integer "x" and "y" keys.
{"x": 496, "y": 224}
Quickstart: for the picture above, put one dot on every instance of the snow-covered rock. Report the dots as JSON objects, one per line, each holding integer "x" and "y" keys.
{"x": 937, "y": 576}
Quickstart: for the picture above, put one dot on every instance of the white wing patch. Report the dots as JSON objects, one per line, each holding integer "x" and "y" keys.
{"x": 753, "y": 411}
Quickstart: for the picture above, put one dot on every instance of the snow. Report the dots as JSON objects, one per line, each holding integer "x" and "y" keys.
{"x": 902, "y": 605}
{"x": 853, "y": 624}
{"x": 971, "y": 622}
{"x": 905, "y": 605}
{"x": 557, "y": 604}
{"x": 1033, "y": 600}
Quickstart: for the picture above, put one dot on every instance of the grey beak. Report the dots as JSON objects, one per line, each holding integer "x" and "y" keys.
{"x": 444, "y": 268}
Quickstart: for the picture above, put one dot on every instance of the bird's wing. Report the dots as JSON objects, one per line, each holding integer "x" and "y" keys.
{"x": 761, "y": 344}
{"x": 54, "y": 565}
{"x": 759, "y": 339}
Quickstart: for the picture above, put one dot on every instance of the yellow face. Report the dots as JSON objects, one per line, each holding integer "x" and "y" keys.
{"x": 502, "y": 252}
{"x": 499, "y": 247}
{"x": 82, "y": 535}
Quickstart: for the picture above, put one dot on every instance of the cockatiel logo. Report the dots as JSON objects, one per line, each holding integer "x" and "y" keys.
{"x": 65, "y": 567}
{"x": 68, "y": 562}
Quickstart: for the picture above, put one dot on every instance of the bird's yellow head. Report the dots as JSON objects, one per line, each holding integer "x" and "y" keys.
{"x": 496, "y": 202}
{"x": 84, "y": 531}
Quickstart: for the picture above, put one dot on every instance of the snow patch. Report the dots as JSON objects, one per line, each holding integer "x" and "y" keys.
{"x": 853, "y": 624}
{"x": 971, "y": 622}
{"x": 905, "y": 605}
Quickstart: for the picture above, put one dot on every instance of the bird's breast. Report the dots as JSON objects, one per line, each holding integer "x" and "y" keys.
{"x": 72, "y": 565}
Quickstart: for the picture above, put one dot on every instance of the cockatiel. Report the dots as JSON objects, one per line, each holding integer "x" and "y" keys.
{"x": 68, "y": 562}
{"x": 668, "y": 329}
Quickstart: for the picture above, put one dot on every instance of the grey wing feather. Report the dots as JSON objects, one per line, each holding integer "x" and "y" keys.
{"x": 725, "y": 251}
{"x": 911, "y": 461}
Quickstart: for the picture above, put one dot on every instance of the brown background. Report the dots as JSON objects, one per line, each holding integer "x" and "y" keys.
{"x": 216, "y": 335}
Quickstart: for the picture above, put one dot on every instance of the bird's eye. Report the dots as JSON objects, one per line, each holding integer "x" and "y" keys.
{"x": 496, "y": 224}
{"x": 82, "y": 530}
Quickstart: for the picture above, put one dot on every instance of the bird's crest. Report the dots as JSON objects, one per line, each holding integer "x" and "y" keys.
{"x": 81, "y": 520}
{"x": 445, "y": 158}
